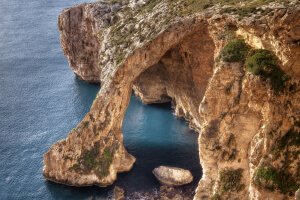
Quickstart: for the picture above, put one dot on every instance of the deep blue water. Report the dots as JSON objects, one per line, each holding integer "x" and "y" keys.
{"x": 41, "y": 100}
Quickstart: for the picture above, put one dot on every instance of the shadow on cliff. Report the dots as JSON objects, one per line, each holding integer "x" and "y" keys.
{"x": 162, "y": 106}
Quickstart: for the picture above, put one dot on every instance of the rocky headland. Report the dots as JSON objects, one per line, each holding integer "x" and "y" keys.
{"x": 232, "y": 69}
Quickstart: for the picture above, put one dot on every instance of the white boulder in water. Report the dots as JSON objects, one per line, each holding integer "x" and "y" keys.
{"x": 172, "y": 176}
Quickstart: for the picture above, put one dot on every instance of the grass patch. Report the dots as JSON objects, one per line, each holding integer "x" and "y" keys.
{"x": 91, "y": 160}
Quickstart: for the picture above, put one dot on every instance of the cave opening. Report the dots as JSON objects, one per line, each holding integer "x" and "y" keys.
{"x": 175, "y": 85}
{"x": 181, "y": 77}
{"x": 155, "y": 137}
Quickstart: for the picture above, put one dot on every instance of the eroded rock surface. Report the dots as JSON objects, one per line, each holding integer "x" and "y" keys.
{"x": 172, "y": 176}
{"x": 246, "y": 131}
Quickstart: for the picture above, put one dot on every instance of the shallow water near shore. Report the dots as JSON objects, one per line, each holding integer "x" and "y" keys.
{"x": 41, "y": 101}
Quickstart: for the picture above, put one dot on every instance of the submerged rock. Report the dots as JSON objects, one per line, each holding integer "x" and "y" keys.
{"x": 173, "y": 176}
{"x": 118, "y": 193}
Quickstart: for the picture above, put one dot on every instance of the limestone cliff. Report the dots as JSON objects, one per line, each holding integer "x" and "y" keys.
{"x": 169, "y": 51}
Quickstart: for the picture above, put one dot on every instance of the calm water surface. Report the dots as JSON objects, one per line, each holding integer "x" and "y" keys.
{"x": 41, "y": 100}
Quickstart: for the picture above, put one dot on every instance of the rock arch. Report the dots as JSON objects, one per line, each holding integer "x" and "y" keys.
{"x": 93, "y": 152}
{"x": 182, "y": 58}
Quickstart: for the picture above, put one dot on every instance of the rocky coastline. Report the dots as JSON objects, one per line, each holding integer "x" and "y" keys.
{"x": 211, "y": 64}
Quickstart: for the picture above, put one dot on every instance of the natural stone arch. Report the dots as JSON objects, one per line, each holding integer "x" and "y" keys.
{"x": 180, "y": 76}
{"x": 100, "y": 130}
{"x": 101, "y": 127}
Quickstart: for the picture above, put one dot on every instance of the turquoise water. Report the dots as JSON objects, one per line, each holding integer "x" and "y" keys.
{"x": 41, "y": 100}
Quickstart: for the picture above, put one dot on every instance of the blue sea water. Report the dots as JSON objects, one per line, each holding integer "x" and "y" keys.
{"x": 41, "y": 100}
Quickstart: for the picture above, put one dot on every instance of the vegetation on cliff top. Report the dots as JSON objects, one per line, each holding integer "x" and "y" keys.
{"x": 136, "y": 23}
{"x": 93, "y": 160}
{"x": 187, "y": 7}
{"x": 259, "y": 62}
{"x": 264, "y": 64}
{"x": 235, "y": 51}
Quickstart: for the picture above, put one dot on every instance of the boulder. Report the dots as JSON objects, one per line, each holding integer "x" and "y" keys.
{"x": 172, "y": 176}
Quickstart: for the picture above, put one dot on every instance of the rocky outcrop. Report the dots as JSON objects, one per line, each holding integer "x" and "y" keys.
{"x": 79, "y": 26}
{"x": 249, "y": 136}
{"x": 172, "y": 176}
{"x": 94, "y": 153}
{"x": 118, "y": 193}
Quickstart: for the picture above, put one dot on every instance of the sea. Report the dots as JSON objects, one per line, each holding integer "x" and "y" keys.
{"x": 41, "y": 100}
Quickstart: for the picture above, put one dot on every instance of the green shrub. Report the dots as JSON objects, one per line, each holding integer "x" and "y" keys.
{"x": 291, "y": 138}
{"x": 269, "y": 175}
{"x": 273, "y": 179}
{"x": 235, "y": 51}
{"x": 231, "y": 180}
{"x": 264, "y": 64}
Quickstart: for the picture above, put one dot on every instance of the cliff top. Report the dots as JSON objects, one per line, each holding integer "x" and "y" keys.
{"x": 133, "y": 23}
{"x": 124, "y": 26}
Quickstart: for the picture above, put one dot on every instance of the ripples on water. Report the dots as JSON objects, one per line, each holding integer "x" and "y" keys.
{"x": 41, "y": 101}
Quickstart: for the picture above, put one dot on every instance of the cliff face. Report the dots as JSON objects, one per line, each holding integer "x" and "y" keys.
{"x": 248, "y": 131}
{"x": 78, "y": 26}
{"x": 249, "y": 136}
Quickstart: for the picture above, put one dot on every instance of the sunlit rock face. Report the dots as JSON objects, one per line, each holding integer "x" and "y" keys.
{"x": 172, "y": 176}
{"x": 246, "y": 130}
{"x": 78, "y": 26}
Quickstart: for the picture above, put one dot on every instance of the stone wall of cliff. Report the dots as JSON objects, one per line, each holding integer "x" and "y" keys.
{"x": 246, "y": 131}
